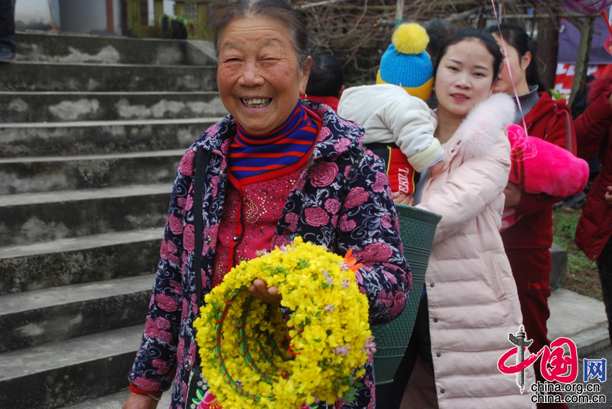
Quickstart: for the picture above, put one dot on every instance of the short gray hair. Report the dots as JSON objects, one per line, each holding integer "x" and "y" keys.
{"x": 279, "y": 10}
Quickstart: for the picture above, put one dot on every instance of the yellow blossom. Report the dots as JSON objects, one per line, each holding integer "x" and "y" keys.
{"x": 253, "y": 358}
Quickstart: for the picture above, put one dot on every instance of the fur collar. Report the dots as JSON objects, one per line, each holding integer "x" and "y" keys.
{"x": 478, "y": 131}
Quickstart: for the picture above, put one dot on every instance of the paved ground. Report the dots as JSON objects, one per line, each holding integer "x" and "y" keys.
{"x": 580, "y": 318}
{"x": 584, "y": 321}
{"x": 606, "y": 387}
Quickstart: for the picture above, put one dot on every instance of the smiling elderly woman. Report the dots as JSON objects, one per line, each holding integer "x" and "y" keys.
{"x": 276, "y": 168}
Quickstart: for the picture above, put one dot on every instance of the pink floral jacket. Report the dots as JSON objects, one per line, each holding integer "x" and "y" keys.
{"x": 323, "y": 208}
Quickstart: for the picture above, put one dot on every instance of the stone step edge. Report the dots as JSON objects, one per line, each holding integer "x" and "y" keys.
{"x": 126, "y": 155}
{"x": 74, "y": 293}
{"x": 75, "y": 351}
{"x": 23, "y": 199}
{"x": 116, "y": 400}
{"x": 592, "y": 340}
{"x": 120, "y": 122}
{"x": 122, "y": 93}
{"x": 82, "y": 243}
{"x": 113, "y": 65}
{"x": 31, "y": 32}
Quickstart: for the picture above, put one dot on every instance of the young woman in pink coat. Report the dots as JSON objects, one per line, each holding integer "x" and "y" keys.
{"x": 471, "y": 302}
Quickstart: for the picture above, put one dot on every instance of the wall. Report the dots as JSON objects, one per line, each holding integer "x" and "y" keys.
{"x": 73, "y": 16}
{"x": 80, "y": 16}
{"x": 117, "y": 16}
{"x": 37, "y": 14}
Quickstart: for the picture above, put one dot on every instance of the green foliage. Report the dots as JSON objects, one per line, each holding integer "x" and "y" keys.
{"x": 186, "y": 22}
{"x": 556, "y": 94}
{"x": 564, "y": 228}
{"x": 582, "y": 271}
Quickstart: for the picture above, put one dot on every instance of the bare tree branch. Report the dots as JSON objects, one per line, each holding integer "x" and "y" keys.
{"x": 358, "y": 32}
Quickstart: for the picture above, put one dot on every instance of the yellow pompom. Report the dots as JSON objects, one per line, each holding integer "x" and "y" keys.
{"x": 410, "y": 38}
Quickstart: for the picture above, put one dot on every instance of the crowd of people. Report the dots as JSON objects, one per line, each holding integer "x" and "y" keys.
{"x": 296, "y": 156}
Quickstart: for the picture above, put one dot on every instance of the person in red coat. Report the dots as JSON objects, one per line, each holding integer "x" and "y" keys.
{"x": 594, "y": 231}
{"x": 528, "y": 241}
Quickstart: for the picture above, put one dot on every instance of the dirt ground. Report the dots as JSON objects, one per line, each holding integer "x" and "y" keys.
{"x": 583, "y": 277}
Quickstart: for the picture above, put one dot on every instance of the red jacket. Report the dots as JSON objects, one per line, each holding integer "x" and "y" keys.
{"x": 594, "y": 136}
{"x": 550, "y": 120}
{"x": 327, "y": 100}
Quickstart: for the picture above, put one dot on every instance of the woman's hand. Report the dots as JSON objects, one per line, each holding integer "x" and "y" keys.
{"x": 608, "y": 195}
{"x": 259, "y": 289}
{"x": 513, "y": 195}
{"x": 403, "y": 198}
{"x": 135, "y": 401}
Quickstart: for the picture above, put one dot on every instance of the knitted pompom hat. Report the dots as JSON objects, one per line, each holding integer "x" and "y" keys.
{"x": 406, "y": 63}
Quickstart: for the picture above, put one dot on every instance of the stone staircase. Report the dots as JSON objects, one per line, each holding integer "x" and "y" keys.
{"x": 91, "y": 133}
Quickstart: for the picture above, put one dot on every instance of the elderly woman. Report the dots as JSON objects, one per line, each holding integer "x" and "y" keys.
{"x": 277, "y": 168}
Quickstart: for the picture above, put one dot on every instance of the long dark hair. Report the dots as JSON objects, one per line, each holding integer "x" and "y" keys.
{"x": 473, "y": 34}
{"x": 516, "y": 37}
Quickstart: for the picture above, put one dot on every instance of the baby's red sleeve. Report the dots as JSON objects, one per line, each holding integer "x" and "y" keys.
{"x": 401, "y": 175}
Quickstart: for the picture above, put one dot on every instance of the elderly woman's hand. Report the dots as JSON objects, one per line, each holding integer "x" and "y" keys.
{"x": 259, "y": 289}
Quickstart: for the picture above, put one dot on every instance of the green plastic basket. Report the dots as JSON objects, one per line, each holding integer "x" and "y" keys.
{"x": 417, "y": 229}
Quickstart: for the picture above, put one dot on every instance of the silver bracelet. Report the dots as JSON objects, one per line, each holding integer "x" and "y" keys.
{"x": 157, "y": 398}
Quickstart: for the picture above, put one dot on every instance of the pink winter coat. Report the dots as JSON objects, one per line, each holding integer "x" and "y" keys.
{"x": 473, "y": 301}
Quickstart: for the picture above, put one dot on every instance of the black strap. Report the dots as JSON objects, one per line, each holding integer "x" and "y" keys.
{"x": 198, "y": 220}
{"x": 353, "y": 170}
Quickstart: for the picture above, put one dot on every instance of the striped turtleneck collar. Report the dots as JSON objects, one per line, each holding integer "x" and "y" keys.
{"x": 263, "y": 157}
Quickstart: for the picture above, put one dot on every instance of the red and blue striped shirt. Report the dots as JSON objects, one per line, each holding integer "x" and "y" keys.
{"x": 283, "y": 150}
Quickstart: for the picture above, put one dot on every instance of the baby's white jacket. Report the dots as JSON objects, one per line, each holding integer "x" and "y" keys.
{"x": 390, "y": 115}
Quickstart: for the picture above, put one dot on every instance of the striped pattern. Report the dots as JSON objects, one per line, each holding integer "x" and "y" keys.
{"x": 427, "y": 157}
{"x": 251, "y": 156}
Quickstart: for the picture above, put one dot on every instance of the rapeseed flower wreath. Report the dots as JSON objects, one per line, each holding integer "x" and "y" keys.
{"x": 255, "y": 357}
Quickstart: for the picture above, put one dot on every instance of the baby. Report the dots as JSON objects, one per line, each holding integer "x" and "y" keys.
{"x": 399, "y": 126}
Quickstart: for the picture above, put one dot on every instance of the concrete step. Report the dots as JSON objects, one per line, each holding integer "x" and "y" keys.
{"x": 55, "y": 314}
{"x": 116, "y": 401}
{"x": 67, "y": 372}
{"x": 36, "y": 217}
{"x": 559, "y": 269}
{"x": 46, "y": 174}
{"x": 99, "y": 137}
{"x": 49, "y": 47}
{"x": 35, "y": 76}
{"x": 105, "y": 106}
{"x": 580, "y": 318}
{"x": 79, "y": 260}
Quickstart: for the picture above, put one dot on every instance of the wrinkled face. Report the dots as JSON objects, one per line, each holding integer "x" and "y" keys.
{"x": 464, "y": 77}
{"x": 258, "y": 76}
{"x": 518, "y": 66}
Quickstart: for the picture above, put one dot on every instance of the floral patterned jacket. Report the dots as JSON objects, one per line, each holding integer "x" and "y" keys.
{"x": 323, "y": 208}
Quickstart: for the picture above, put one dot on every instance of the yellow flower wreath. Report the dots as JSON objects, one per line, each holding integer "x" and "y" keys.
{"x": 252, "y": 357}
